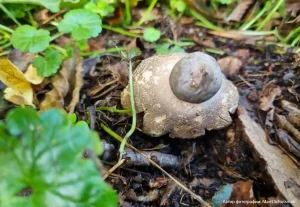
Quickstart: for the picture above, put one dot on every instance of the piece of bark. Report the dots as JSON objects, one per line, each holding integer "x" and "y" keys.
{"x": 287, "y": 126}
{"x": 294, "y": 118}
{"x": 278, "y": 165}
{"x": 164, "y": 160}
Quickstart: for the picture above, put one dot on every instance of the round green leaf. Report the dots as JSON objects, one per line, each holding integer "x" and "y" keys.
{"x": 81, "y": 23}
{"x": 28, "y": 39}
{"x": 49, "y": 64}
{"x": 45, "y": 158}
{"x": 151, "y": 34}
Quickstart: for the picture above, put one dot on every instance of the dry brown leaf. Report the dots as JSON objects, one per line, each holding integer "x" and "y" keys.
{"x": 41, "y": 15}
{"x": 292, "y": 7}
{"x": 230, "y": 65}
{"x": 239, "y": 11}
{"x": 152, "y": 195}
{"x": 120, "y": 72}
{"x": 206, "y": 181}
{"x": 241, "y": 35}
{"x": 268, "y": 95}
{"x": 278, "y": 165}
{"x": 186, "y": 20}
{"x": 242, "y": 191}
{"x": 197, "y": 182}
{"x": 21, "y": 59}
{"x": 78, "y": 85}
{"x": 62, "y": 83}
{"x": 244, "y": 54}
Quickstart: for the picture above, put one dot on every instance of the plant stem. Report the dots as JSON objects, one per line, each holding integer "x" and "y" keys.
{"x": 4, "y": 53}
{"x": 180, "y": 44}
{"x": 269, "y": 17}
{"x": 60, "y": 49}
{"x": 127, "y": 12}
{"x": 6, "y": 45}
{"x": 247, "y": 25}
{"x": 204, "y": 22}
{"x": 215, "y": 51}
{"x": 295, "y": 41}
{"x": 109, "y": 50}
{"x": 291, "y": 34}
{"x": 5, "y": 28}
{"x": 121, "y": 31}
{"x": 9, "y": 14}
{"x": 256, "y": 33}
{"x": 133, "y": 125}
{"x": 31, "y": 20}
{"x": 53, "y": 37}
{"x": 146, "y": 14}
{"x": 113, "y": 110}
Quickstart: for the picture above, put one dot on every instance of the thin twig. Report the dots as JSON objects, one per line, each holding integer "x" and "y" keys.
{"x": 133, "y": 111}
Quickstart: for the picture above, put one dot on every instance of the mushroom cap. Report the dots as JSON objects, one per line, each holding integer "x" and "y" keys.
{"x": 165, "y": 113}
{"x": 196, "y": 78}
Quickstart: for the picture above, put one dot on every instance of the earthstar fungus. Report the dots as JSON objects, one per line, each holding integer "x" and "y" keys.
{"x": 182, "y": 94}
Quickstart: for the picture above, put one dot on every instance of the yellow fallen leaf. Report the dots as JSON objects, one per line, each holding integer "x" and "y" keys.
{"x": 17, "y": 98}
{"x": 19, "y": 90}
{"x": 32, "y": 76}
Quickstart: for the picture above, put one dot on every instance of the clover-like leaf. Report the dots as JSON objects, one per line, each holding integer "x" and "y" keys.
{"x": 28, "y": 39}
{"x": 151, "y": 34}
{"x": 167, "y": 48}
{"x": 81, "y": 23}
{"x": 52, "y": 5}
{"x": 102, "y": 7}
{"x": 49, "y": 64}
{"x": 179, "y": 5}
{"x": 44, "y": 162}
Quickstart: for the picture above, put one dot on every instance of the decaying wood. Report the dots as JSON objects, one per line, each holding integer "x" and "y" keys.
{"x": 283, "y": 171}
{"x": 287, "y": 126}
{"x": 294, "y": 118}
{"x": 164, "y": 160}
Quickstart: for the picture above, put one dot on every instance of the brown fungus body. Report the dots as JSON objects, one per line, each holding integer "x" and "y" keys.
{"x": 182, "y": 94}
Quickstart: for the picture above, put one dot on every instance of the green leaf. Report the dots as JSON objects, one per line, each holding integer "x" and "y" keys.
{"x": 151, "y": 34}
{"x": 81, "y": 23}
{"x": 82, "y": 45}
{"x": 45, "y": 162}
{"x": 16, "y": 10}
{"x": 225, "y": 1}
{"x": 178, "y": 5}
{"x": 49, "y": 64}
{"x": 102, "y": 7}
{"x": 52, "y": 5}
{"x": 167, "y": 48}
{"x": 28, "y": 39}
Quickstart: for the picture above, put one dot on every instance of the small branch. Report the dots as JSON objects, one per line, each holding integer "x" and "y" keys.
{"x": 162, "y": 159}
